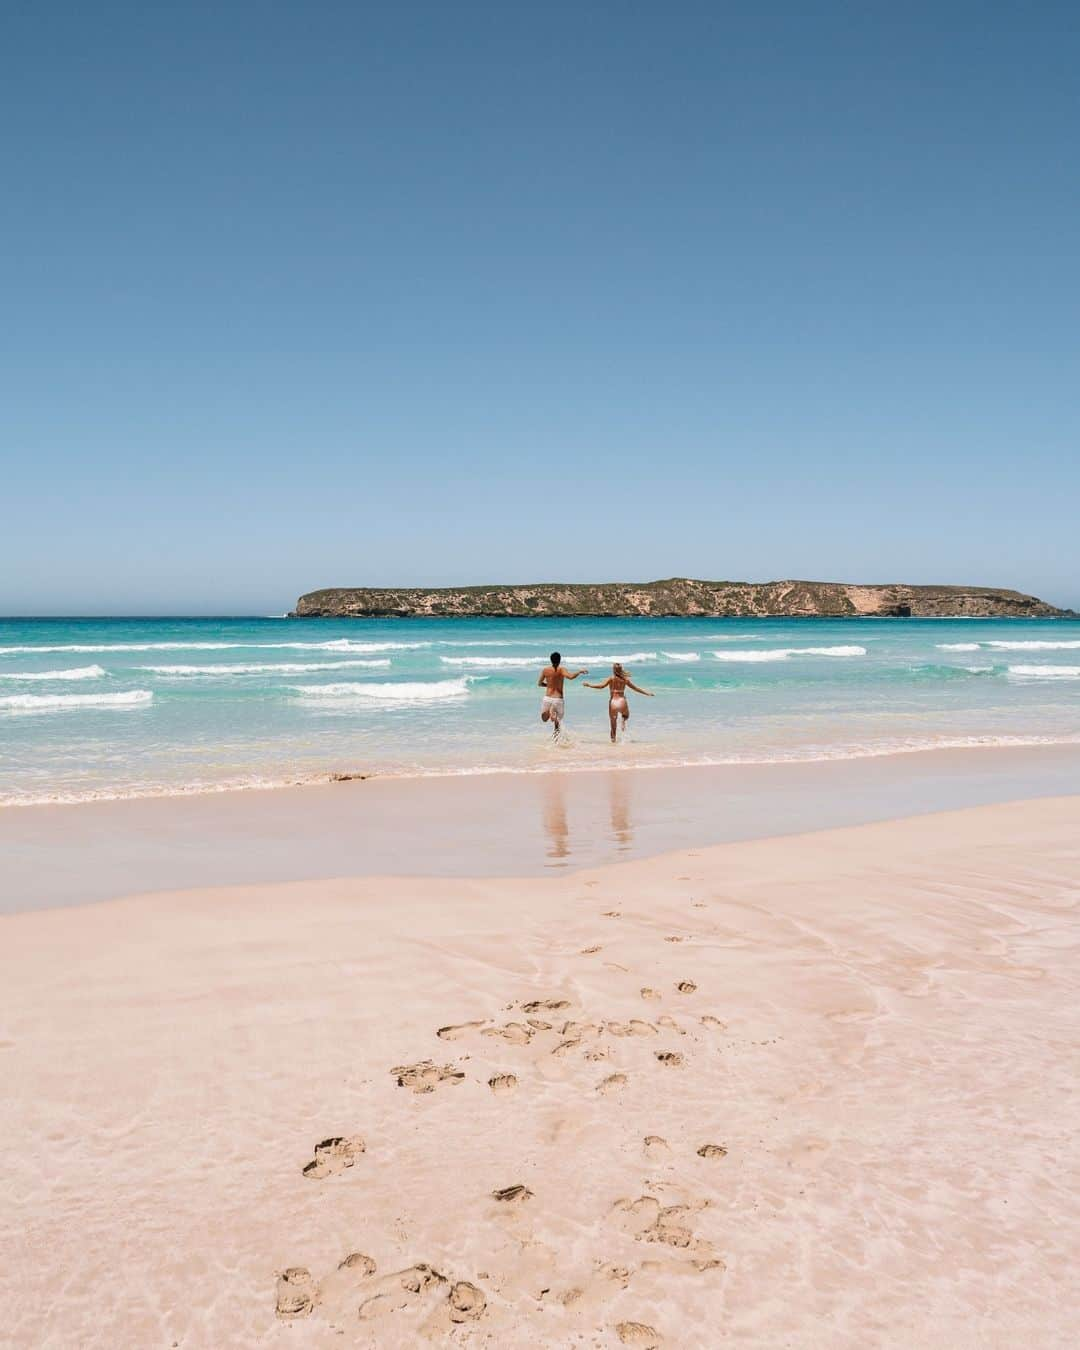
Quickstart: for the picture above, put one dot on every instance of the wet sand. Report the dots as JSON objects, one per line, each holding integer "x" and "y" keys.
{"x": 487, "y": 825}
{"x": 817, "y": 1091}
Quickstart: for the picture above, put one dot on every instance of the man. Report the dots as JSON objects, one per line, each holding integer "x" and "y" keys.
{"x": 551, "y": 705}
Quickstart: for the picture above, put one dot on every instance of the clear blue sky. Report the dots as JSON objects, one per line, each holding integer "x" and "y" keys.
{"x": 298, "y": 295}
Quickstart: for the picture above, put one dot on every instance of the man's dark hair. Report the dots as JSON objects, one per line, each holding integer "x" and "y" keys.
{"x": 556, "y": 659}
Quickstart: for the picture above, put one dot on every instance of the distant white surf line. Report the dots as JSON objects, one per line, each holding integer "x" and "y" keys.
{"x": 334, "y": 645}
{"x": 1046, "y": 672}
{"x": 682, "y": 656}
{"x": 268, "y": 668}
{"x": 54, "y": 702}
{"x": 415, "y": 691}
{"x": 537, "y": 662}
{"x": 610, "y": 659}
{"x": 495, "y": 662}
{"x": 1006, "y": 645}
{"x": 785, "y": 653}
{"x": 74, "y": 673}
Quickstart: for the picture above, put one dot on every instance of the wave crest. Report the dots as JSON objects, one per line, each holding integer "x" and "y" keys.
{"x": 268, "y": 668}
{"x": 415, "y": 691}
{"x": 55, "y": 702}
{"x": 1046, "y": 672}
{"x": 785, "y": 653}
{"x": 74, "y": 673}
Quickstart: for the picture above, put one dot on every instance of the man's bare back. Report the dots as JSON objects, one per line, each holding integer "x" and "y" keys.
{"x": 551, "y": 680}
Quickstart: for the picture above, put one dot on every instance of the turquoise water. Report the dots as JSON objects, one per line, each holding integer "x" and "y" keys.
{"x": 124, "y": 707}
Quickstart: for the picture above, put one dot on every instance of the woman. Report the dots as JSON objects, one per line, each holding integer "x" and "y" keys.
{"x": 618, "y": 682}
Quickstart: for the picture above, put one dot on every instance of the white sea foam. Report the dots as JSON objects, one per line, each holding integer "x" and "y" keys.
{"x": 333, "y": 645}
{"x": 415, "y": 691}
{"x": 73, "y": 673}
{"x": 610, "y": 659}
{"x": 1046, "y": 672}
{"x": 268, "y": 667}
{"x": 1011, "y": 645}
{"x": 785, "y": 653}
{"x": 54, "y": 702}
{"x": 1002, "y": 645}
{"x": 682, "y": 656}
{"x": 494, "y": 662}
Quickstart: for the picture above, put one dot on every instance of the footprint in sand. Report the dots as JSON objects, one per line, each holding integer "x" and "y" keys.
{"x": 545, "y": 1005}
{"x": 502, "y": 1082}
{"x": 612, "y": 1083}
{"x": 714, "y": 1022}
{"x": 651, "y": 993}
{"x": 674, "y": 939}
{"x": 578, "y": 1030}
{"x": 638, "y": 1334}
{"x": 590, "y": 951}
{"x": 455, "y": 1033}
{"x": 670, "y": 1024}
{"x": 512, "y": 1194}
{"x": 341, "y": 1290}
{"x": 296, "y": 1293}
{"x": 686, "y": 987}
{"x": 671, "y": 1058}
{"x": 425, "y": 1076}
{"x": 467, "y": 1302}
{"x": 334, "y": 1155}
{"x": 656, "y": 1147}
{"x": 517, "y": 1033}
{"x": 409, "y": 1289}
{"x": 712, "y": 1151}
{"x": 352, "y": 1291}
{"x": 646, "y": 1220}
{"x": 611, "y": 914}
{"x": 635, "y": 1027}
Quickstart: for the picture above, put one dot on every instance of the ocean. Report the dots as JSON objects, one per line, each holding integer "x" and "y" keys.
{"x": 102, "y": 708}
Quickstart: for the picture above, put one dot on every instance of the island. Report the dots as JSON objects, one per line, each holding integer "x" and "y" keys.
{"x": 679, "y": 597}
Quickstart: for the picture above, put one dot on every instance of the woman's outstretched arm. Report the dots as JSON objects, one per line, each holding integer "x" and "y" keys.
{"x": 631, "y": 685}
{"x": 587, "y": 685}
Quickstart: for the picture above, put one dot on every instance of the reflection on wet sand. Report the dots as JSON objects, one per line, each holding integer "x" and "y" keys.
{"x": 619, "y": 793}
{"x": 555, "y": 823}
{"x": 595, "y": 842}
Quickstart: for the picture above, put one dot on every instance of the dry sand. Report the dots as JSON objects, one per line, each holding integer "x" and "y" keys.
{"x": 810, "y": 1092}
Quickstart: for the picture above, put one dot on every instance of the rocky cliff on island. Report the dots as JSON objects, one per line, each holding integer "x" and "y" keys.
{"x": 681, "y": 597}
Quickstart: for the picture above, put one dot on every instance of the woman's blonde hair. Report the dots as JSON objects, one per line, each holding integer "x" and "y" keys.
{"x": 617, "y": 669}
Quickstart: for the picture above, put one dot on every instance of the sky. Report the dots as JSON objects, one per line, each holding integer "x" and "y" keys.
{"x": 302, "y": 295}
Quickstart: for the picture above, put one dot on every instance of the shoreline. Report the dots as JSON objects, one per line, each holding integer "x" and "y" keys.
{"x": 813, "y": 1090}
{"x": 323, "y": 777}
{"x": 485, "y": 825}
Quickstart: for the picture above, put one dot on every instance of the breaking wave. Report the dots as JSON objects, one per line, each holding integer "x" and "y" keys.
{"x": 268, "y": 668}
{"x": 493, "y": 662}
{"x": 333, "y": 645}
{"x": 682, "y": 656}
{"x": 1046, "y": 672}
{"x": 784, "y": 653}
{"x": 416, "y": 691}
{"x": 74, "y": 673}
{"x": 54, "y": 702}
{"x": 1009, "y": 645}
